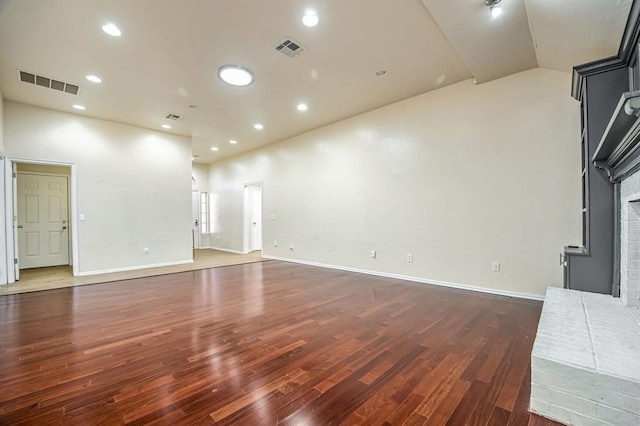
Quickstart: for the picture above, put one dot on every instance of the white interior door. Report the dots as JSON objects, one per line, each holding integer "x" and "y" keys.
{"x": 195, "y": 218}
{"x": 256, "y": 218}
{"x": 43, "y": 220}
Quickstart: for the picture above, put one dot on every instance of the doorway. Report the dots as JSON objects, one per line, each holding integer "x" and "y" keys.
{"x": 40, "y": 199}
{"x": 253, "y": 217}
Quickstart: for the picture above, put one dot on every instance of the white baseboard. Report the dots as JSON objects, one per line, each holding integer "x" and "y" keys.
{"x": 134, "y": 268}
{"x": 224, "y": 249}
{"x": 518, "y": 295}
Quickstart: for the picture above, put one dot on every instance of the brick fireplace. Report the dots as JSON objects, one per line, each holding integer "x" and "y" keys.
{"x": 630, "y": 241}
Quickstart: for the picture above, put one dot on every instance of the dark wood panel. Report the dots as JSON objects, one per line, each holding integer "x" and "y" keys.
{"x": 265, "y": 343}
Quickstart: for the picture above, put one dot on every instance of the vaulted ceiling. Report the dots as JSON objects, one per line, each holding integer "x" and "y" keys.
{"x": 167, "y": 58}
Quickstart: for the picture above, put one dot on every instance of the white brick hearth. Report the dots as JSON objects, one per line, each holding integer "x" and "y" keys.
{"x": 585, "y": 363}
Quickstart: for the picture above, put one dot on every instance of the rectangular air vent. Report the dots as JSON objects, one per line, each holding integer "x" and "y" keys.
{"x": 289, "y": 47}
{"x": 49, "y": 83}
{"x": 174, "y": 117}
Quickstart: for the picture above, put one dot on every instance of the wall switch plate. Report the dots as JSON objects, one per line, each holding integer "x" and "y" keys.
{"x": 272, "y": 216}
{"x": 81, "y": 216}
{"x": 146, "y": 250}
{"x": 373, "y": 254}
{"x": 495, "y": 266}
{"x": 275, "y": 243}
{"x": 410, "y": 257}
{"x": 291, "y": 246}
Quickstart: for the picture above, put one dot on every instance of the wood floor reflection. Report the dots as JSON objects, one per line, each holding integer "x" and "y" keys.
{"x": 38, "y": 279}
{"x": 265, "y": 343}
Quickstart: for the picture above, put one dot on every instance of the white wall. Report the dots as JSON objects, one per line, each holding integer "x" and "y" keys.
{"x": 133, "y": 184}
{"x": 3, "y": 234}
{"x": 200, "y": 172}
{"x": 459, "y": 177}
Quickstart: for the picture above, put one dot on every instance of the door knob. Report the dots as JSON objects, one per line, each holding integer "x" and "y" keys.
{"x": 64, "y": 227}
{"x": 20, "y": 226}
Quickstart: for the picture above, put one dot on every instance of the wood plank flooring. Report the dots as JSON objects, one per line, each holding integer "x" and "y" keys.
{"x": 265, "y": 343}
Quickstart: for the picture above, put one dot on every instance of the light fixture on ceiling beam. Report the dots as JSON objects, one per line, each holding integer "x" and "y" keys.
{"x": 493, "y": 7}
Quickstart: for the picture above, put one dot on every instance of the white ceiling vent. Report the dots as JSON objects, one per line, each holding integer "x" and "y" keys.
{"x": 49, "y": 83}
{"x": 290, "y": 48}
{"x": 174, "y": 117}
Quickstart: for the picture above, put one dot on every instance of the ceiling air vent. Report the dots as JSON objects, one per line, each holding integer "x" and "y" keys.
{"x": 49, "y": 83}
{"x": 290, "y": 48}
{"x": 174, "y": 117}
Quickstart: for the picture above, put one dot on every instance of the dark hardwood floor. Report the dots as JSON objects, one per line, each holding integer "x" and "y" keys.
{"x": 265, "y": 343}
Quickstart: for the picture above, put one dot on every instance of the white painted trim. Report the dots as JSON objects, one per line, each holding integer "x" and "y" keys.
{"x": 3, "y": 221}
{"x": 10, "y": 234}
{"x": 8, "y": 208}
{"x": 134, "y": 268}
{"x": 527, "y": 296}
{"x": 225, "y": 249}
{"x": 75, "y": 234}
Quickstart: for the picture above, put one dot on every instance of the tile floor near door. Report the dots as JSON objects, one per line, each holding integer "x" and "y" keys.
{"x": 38, "y": 279}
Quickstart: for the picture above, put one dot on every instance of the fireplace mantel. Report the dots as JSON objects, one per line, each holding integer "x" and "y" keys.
{"x": 618, "y": 153}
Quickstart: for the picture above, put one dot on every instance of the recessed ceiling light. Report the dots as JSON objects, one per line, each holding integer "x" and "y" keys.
{"x": 493, "y": 6}
{"x": 235, "y": 75}
{"x": 79, "y": 107}
{"x": 233, "y": 142}
{"x": 214, "y": 148}
{"x": 111, "y": 29}
{"x": 258, "y": 126}
{"x": 94, "y": 78}
{"x": 310, "y": 19}
{"x": 166, "y": 126}
{"x": 302, "y": 107}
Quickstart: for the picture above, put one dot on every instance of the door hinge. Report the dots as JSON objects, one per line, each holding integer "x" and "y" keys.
{"x": 15, "y": 261}
{"x": 15, "y": 175}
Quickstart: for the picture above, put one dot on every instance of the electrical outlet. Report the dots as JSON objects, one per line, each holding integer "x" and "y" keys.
{"x": 495, "y": 266}
{"x": 410, "y": 257}
{"x": 146, "y": 250}
{"x": 373, "y": 254}
{"x": 275, "y": 243}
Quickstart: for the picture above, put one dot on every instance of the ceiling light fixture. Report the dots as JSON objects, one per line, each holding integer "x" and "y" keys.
{"x": 235, "y": 75}
{"x": 310, "y": 19}
{"x": 214, "y": 148}
{"x": 79, "y": 107}
{"x": 112, "y": 29}
{"x": 166, "y": 126}
{"x": 302, "y": 107}
{"x": 94, "y": 78}
{"x": 233, "y": 142}
{"x": 493, "y": 7}
{"x": 258, "y": 126}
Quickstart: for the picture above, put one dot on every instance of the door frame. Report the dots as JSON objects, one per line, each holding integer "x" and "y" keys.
{"x": 246, "y": 216}
{"x": 11, "y": 221}
{"x": 197, "y": 239}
